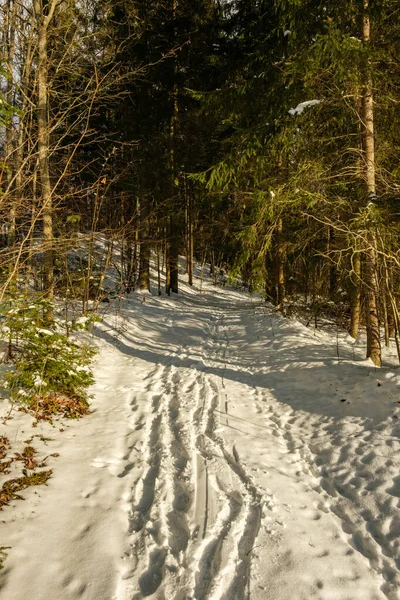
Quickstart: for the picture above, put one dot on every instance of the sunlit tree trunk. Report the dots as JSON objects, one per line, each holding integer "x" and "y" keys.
{"x": 9, "y": 35}
{"x": 44, "y": 12}
{"x": 370, "y": 260}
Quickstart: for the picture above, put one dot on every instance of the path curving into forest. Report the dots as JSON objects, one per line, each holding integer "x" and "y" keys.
{"x": 229, "y": 456}
{"x": 244, "y": 500}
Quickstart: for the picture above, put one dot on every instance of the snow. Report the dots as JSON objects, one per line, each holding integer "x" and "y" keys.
{"x": 230, "y": 454}
{"x": 300, "y": 107}
{"x": 44, "y": 331}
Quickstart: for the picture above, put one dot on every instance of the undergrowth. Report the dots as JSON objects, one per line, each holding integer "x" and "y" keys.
{"x": 45, "y": 408}
{"x": 50, "y": 370}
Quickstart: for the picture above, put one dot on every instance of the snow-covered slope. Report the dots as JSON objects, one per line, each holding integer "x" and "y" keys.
{"x": 229, "y": 455}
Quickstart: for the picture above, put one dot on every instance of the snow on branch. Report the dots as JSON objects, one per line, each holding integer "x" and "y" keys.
{"x": 300, "y": 107}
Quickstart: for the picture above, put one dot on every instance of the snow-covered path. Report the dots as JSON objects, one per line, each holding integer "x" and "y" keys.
{"x": 230, "y": 455}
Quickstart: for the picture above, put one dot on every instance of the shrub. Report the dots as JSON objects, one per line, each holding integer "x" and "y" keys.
{"x": 47, "y": 361}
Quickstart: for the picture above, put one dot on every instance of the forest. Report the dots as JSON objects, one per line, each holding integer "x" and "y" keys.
{"x": 260, "y": 137}
{"x": 200, "y": 253}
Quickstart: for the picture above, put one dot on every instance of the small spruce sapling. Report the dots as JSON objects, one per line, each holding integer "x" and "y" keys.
{"x": 47, "y": 362}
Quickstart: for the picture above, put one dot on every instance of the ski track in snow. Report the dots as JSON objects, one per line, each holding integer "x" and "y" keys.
{"x": 199, "y": 512}
{"x": 196, "y": 511}
{"x": 243, "y": 474}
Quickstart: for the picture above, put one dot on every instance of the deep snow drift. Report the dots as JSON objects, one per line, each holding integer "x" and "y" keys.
{"x": 229, "y": 455}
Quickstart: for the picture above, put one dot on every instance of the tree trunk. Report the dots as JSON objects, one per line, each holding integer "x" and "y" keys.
{"x": 174, "y": 228}
{"x": 355, "y": 279}
{"x": 174, "y": 255}
{"x": 30, "y": 272}
{"x": 167, "y": 260}
{"x": 332, "y": 265}
{"x": 370, "y": 273}
{"x": 9, "y": 96}
{"x": 271, "y": 292}
{"x": 280, "y": 266}
{"x": 135, "y": 245}
{"x": 385, "y": 319}
{"x": 44, "y": 13}
{"x": 158, "y": 268}
{"x": 189, "y": 262}
{"x": 144, "y": 257}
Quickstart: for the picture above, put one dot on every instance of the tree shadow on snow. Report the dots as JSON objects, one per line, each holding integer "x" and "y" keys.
{"x": 307, "y": 378}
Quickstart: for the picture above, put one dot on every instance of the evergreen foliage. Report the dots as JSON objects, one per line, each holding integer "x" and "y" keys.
{"x": 47, "y": 361}
{"x": 233, "y": 132}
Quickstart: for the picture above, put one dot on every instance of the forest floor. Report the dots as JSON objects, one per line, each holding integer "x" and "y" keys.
{"x": 230, "y": 454}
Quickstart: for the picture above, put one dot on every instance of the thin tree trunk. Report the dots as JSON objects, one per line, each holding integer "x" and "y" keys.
{"x": 389, "y": 297}
{"x": 11, "y": 14}
{"x": 158, "y": 269}
{"x": 174, "y": 258}
{"x": 44, "y": 13}
{"x": 280, "y": 259}
{"x": 135, "y": 245}
{"x": 189, "y": 234}
{"x": 100, "y": 292}
{"x": 190, "y": 244}
{"x": 144, "y": 257}
{"x": 174, "y": 225}
{"x": 332, "y": 265}
{"x": 370, "y": 272}
{"x": 385, "y": 319}
{"x": 167, "y": 260}
{"x": 23, "y": 144}
{"x": 355, "y": 279}
{"x": 270, "y": 280}
{"x": 29, "y": 268}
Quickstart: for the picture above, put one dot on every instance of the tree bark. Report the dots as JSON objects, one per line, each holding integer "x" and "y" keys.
{"x": 167, "y": 259}
{"x": 10, "y": 23}
{"x": 332, "y": 265}
{"x": 144, "y": 257}
{"x": 44, "y": 13}
{"x": 189, "y": 231}
{"x": 355, "y": 279}
{"x": 280, "y": 260}
{"x": 174, "y": 255}
{"x": 370, "y": 271}
{"x": 174, "y": 228}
